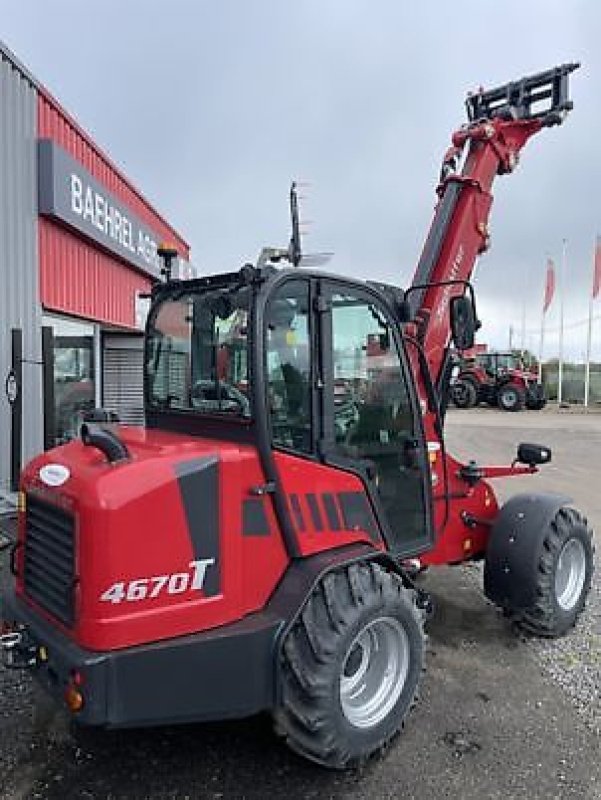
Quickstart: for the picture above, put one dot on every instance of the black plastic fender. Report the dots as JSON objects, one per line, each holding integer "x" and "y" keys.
{"x": 514, "y": 548}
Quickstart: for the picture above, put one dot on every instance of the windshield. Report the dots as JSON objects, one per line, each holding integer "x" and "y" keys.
{"x": 507, "y": 361}
{"x": 197, "y": 353}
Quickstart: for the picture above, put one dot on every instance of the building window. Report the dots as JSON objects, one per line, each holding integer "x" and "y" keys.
{"x": 73, "y": 375}
{"x": 73, "y": 384}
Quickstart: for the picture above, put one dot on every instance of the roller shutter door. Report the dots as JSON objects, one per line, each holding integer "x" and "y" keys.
{"x": 122, "y": 378}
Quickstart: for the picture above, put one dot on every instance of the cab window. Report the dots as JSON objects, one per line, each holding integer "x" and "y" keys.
{"x": 197, "y": 353}
{"x": 288, "y": 366}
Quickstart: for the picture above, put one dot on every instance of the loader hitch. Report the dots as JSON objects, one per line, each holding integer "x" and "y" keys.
{"x": 18, "y": 650}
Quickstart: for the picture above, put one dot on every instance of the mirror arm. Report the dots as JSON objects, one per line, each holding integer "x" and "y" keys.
{"x": 405, "y": 307}
{"x": 433, "y": 398}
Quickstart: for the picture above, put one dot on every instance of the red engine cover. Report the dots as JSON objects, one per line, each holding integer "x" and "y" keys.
{"x": 167, "y": 543}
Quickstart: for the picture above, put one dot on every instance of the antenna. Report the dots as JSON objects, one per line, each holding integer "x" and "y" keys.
{"x": 294, "y": 252}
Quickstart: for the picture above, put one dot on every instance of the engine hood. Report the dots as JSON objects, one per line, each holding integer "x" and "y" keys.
{"x": 83, "y": 472}
{"x": 525, "y": 375}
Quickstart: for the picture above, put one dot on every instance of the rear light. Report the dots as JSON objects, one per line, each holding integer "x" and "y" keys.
{"x": 73, "y": 698}
{"x": 73, "y": 694}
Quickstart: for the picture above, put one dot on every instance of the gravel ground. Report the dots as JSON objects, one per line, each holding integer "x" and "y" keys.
{"x": 573, "y": 662}
{"x": 17, "y": 745}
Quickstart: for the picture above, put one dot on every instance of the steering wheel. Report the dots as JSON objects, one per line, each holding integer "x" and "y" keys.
{"x": 218, "y": 396}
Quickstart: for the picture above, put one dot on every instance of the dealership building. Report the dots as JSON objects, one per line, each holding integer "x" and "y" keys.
{"x": 78, "y": 256}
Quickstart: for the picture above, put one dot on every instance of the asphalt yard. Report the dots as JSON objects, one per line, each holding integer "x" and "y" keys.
{"x": 499, "y": 716}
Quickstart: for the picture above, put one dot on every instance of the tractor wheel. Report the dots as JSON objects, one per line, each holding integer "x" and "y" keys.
{"x": 464, "y": 394}
{"x": 350, "y": 666}
{"x": 562, "y": 577}
{"x": 511, "y": 397}
{"x": 535, "y": 398}
{"x": 537, "y": 405}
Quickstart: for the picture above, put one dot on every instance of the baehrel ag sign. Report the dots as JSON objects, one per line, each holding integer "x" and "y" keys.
{"x": 68, "y": 192}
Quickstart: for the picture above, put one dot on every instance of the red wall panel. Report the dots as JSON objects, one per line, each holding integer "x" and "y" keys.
{"x": 78, "y": 278}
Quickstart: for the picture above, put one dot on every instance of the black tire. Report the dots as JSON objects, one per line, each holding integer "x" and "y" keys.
{"x": 535, "y": 398}
{"x": 320, "y": 653}
{"x": 464, "y": 394}
{"x": 511, "y": 397}
{"x": 549, "y": 617}
{"x": 537, "y": 405}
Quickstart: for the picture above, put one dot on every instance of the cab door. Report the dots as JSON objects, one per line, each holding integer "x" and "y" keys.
{"x": 370, "y": 414}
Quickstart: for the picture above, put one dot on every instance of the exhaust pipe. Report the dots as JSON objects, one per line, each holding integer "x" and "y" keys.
{"x": 105, "y": 441}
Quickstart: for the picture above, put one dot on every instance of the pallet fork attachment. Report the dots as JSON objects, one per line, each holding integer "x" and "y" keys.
{"x": 543, "y": 96}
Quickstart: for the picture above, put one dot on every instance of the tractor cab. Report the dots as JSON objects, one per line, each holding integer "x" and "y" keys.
{"x": 303, "y": 365}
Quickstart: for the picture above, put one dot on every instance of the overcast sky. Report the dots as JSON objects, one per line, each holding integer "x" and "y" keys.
{"x": 213, "y": 107}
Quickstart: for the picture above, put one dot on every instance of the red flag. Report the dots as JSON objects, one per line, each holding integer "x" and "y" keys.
{"x": 549, "y": 285}
{"x": 597, "y": 270}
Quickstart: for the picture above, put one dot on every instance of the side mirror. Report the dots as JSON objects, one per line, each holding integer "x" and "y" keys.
{"x": 463, "y": 322}
{"x": 533, "y": 454}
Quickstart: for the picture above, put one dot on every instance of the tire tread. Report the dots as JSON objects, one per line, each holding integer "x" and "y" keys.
{"x": 542, "y": 618}
{"x": 302, "y": 717}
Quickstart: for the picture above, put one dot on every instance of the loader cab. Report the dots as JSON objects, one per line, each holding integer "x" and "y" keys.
{"x": 301, "y": 364}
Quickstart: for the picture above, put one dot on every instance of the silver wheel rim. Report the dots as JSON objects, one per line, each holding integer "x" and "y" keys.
{"x": 374, "y": 672}
{"x": 509, "y": 399}
{"x": 570, "y": 574}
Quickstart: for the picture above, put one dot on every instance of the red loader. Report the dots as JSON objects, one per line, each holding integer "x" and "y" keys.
{"x": 247, "y": 549}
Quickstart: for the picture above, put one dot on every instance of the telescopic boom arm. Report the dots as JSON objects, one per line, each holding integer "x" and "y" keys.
{"x": 500, "y": 122}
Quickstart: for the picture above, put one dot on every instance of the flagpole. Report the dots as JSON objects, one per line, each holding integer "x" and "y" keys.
{"x": 561, "y": 298}
{"x": 540, "y": 349}
{"x": 523, "y": 320}
{"x": 589, "y": 334}
{"x": 587, "y": 368}
{"x": 523, "y": 327}
{"x": 547, "y": 300}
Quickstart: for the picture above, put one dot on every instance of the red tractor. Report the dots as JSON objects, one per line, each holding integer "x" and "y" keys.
{"x": 498, "y": 379}
{"x": 248, "y": 549}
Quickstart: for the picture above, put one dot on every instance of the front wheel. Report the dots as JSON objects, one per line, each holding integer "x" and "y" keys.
{"x": 558, "y": 578}
{"x": 464, "y": 394}
{"x": 564, "y": 575}
{"x": 350, "y": 666}
{"x": 535, "y": 398}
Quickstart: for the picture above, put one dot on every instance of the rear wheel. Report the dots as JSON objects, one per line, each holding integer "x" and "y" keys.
{"x": 511, "y": 397}
{"x": 465, "y": 394}
{"x": 350, "y": 666}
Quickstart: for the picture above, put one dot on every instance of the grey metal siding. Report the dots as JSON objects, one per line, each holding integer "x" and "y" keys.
{"x": 19, "y": 291}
